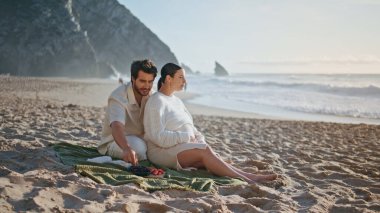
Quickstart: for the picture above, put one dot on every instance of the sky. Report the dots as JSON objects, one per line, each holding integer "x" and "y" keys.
{"x": 267, "y": 36}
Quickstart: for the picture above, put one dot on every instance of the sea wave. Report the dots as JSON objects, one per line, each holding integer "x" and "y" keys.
{"x": 356, "y": 91}
{"x": 322, "y": 107}
{"x": 279, "y": 95}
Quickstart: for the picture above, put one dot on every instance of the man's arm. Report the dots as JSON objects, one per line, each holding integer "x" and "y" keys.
{"x": 129, "y": 155}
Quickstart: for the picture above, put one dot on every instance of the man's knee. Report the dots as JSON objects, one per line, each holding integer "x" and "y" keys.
{"x": 138, "y": 145}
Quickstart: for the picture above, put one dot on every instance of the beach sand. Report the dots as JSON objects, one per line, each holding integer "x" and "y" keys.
{"x": 322, "y": 166}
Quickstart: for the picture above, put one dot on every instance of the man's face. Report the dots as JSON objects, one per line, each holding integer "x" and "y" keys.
{"x": 143, "y": 83}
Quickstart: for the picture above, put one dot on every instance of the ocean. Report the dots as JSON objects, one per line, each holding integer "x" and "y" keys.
{"x": 344, "y": 98}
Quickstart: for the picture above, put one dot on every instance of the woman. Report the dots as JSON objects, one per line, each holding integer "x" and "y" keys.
{"x": 172, "y": 139}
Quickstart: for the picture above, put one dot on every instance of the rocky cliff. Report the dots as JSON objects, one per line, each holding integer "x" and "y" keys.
{"x": 84, "y": 38}
{"x": 188, "y": 69}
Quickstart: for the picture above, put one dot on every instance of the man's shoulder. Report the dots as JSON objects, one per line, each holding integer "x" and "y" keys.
{"x": 120, "y": 94}
{"x": 121, "y": 89}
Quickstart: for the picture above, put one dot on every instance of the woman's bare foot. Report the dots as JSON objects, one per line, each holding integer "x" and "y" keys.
{"x": 263, "y": 178}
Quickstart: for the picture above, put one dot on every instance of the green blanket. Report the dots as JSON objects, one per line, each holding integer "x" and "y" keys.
{"x": 199, "y": 180}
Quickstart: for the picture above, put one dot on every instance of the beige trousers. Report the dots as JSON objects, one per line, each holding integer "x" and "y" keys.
{"x": 136, "y": 143}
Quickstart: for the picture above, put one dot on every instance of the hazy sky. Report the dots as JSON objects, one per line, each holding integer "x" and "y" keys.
{"x": 325, "y": 36}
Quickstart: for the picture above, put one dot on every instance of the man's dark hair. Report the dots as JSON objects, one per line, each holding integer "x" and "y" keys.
{"x": 145, "y": 65}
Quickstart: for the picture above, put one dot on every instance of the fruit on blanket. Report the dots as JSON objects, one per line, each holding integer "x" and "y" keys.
{"x": 139, "y": 170}
{"x": 155, "y": 171}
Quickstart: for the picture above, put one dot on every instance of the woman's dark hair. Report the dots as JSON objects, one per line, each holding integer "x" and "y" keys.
{"x": 168, "y": 69}
{"x": 145, "y": 65}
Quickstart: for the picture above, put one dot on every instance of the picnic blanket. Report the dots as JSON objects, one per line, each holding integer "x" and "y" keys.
{"x": 107, "y": 173}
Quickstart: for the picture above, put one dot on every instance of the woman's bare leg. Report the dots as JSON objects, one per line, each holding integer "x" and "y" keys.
{"x": 197, "y": 157}
{"x": 253, "y": 177}
{"x": 207, "y": 158}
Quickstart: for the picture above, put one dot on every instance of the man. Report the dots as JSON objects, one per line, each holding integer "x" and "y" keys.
{"x": 123, "y": 128}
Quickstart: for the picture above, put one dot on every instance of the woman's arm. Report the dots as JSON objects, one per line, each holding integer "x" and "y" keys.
{"x": 155, "y": 129}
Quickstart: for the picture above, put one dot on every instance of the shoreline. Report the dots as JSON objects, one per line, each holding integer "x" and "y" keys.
{"x": 198, "y": 109}
{"x": 94, "y": 92}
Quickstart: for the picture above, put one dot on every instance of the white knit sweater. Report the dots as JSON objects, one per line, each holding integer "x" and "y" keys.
{"x": 167, "y": 122}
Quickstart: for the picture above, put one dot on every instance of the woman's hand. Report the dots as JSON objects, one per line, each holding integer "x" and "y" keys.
{"x": 193, "y": 139}
{"x": 199, "y": 137}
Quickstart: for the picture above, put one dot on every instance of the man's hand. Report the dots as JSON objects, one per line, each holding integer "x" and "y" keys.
{"x": 129, "y": 156}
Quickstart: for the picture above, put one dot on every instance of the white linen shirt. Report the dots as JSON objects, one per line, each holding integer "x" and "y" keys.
{"x": 122, "y": 107}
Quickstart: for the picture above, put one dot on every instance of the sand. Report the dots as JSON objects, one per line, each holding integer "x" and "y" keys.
{"x": 323, "y": 166}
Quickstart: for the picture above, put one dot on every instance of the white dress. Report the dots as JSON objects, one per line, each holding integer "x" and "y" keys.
{"x": 168, "y": 128}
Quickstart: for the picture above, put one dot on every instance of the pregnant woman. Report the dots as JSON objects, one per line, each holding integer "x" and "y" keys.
{"x": 172, "y": 139}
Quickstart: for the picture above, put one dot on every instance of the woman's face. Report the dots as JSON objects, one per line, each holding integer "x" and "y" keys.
{"x": 178, "y": 82}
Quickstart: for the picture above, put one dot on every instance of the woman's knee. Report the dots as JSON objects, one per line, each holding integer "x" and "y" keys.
{"x": 209, "y": 150}
{"x": 203, "y": 154}
{"x": 196, "y": 153}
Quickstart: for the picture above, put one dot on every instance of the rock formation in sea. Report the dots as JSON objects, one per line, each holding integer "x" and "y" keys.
{"x": 219, "y": 70}
{"x": 75, "y": 38}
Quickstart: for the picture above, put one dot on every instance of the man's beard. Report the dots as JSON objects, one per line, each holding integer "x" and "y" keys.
{"x": 142, "y": 93}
